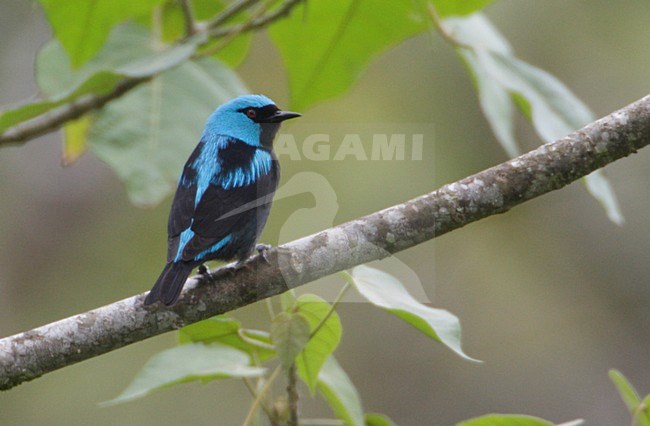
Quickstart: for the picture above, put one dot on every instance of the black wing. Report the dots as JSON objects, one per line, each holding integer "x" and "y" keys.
{"x": 222, "y": 212}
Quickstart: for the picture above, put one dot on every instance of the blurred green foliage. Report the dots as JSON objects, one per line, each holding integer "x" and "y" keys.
{"x": 551, "y": 296}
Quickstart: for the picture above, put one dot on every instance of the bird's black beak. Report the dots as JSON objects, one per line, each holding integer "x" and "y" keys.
{"x": 280, "y": 116}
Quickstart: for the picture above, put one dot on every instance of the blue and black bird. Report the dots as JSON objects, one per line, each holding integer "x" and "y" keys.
{"x": 224, "y": 193}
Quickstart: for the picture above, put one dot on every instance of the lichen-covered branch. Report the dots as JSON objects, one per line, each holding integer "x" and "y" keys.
{"x": 31, "y": 354}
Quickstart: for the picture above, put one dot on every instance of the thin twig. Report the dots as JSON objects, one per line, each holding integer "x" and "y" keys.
{"x": 253, "y": 392}
{"x": 282, "y": 11}
{"x": 349, "y": 282}
{"x": 226, "y": 38}
{"x": 188, "y": 17}
{"x": 260, "y": 396}
{"x": 31, "y": 354}
{"x": 55, "y": 118}
{"x": 229, "y": 12}
{"x": 292, "y": 395}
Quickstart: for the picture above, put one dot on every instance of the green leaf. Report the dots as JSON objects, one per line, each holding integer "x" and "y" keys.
{"x": 74, "y": 140}
{"x": 599, "y": 187}
{"x": 290, "y": 334}
{"x": 376, "y": 419}
{"x": 173, "y": 28}
{"x": 146, "y": 135}
{"x": 325, "y": 45}
{"x": 512, "y": 420}
{"x": 228, "y": 331}
{"x": 128, "y": 53}
{"x": 83, "y": 26}
{"x": 495, "y": 100}
{"x": 212, "y": 330}
{"x": 631, "y": 397}
{"x": 553, "y": 109}
{"x": 188, "y": 363}
{"x": 323, "y": 343}
{"x": 340, "y": 393}
{"x": 496, "y": 105}
{"x": 385, "y": 291}
{"x": 456, "y": 7}
{"x": 643, "y": 413}
{"x": 100, "y": 83}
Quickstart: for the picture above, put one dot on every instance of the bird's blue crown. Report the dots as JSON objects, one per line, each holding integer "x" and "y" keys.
{"x": 228, "y": 120}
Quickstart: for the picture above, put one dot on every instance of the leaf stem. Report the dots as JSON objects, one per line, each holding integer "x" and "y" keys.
{"x": 260, "y": 396}
{"x": 242, "y": 334}
{"x": 440, "y": 28}
{"x": 269, "y": 308}
{"x": 236, "y": 31}
{"x": 338, "y": 299}
{"x": 229, "y": 12}
{"x": 253, "y": 392}
{"x": 188, "y": 16}
{"x": 261, "y": 22}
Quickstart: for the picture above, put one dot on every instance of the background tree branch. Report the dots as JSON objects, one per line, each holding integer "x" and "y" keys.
{"x": 215, "y": 29}
{"x": 31, "y": 354}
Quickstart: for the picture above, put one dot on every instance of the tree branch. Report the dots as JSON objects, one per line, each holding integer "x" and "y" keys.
{"x": 496, "y": 190}
{"x": 260, "y": 22}
{"x": 54, "y": 119}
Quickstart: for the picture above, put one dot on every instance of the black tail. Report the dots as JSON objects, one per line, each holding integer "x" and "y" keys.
{"x": 169, "y": 284}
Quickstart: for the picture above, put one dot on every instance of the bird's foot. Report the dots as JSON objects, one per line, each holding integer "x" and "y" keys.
{"x": 263, "y": 250}
{"x": 205, "y": 274}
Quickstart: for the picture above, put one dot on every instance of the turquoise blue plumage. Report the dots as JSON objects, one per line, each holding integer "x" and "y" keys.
{"x": 224, "y": 193}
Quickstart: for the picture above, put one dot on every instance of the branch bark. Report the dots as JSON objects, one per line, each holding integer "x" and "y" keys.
{"x": 28, "y": 355}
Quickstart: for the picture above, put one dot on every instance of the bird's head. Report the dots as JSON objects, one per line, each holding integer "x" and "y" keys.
{"x": 254, "y": 119}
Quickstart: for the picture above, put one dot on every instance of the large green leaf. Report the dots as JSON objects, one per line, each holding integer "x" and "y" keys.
{"x": 290, "y": 334}
{"x": 147, "y": 135}
{"x": 340, "y": 393}
{"x": 128, "y": 53}
{"x": 325, "y": 45}
{"x": 552, "y": 108}
{"x": 83, "y": 26}
{"x": 385, "y": 291}
{"x": 323, "y": 343}
{"x": 188, "y": 363}
{"x": 513, "y": 420}
{"x": 228, "y": 331}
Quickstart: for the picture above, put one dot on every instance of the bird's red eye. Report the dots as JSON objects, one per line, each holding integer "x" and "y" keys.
{"x": 251, "y": 113}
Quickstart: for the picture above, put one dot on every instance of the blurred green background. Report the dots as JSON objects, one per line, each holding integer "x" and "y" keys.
{"x": 550, "y": 295}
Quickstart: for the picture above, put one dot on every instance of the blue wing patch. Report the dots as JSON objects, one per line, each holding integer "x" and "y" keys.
{"x": 248, "y": 174}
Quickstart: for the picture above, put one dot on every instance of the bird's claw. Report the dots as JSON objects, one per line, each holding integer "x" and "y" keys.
{"x": 263, "y": 250}
{"x": 205, "y": 273}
